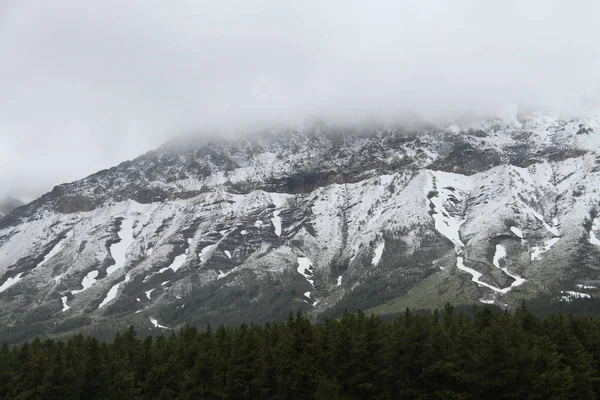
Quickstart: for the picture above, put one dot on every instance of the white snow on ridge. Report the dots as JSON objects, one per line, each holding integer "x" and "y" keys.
{"x": 222, "y": 274}
{"x": 276, "y": 220}
{"x": 548, "y": 244}
{"x": 538, "y": 251}
{"x": 476, "y": 275}
{"x": 66, "y": 307}
{"x": 278, "y": 201}
{"x": 552, "y": 229}
{"x": 445, "y": 224}
{"x": 206, "y": 252}
{"x": 154, "y": 322}
{"x": 118, "y": 250}
{"x": 577, "y": 294}
{"x": 499, "y": 255}
{"x": 378, "y": 253}
{"x": 10, "y": 282}
{"x": 593, "y": 239}
{"x": 517, "y": 232}
{"x": 112, "y": 293}
{"x": 449, "y": 226}
{"x": 56, "y": 249}
{"x": 176, "y": 264}
{"x": 386, "y": 179}
{"x": 304, "y": 268}
{"x": 586, "y": 287}
{"x": 179, "y": 260}
{"x": 149, "y": 294}
{"x": 87, "y": 281}
{"x": 569, "y": 295}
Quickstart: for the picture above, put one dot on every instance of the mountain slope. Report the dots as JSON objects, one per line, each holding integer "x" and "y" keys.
{"x": 320, "y": 220}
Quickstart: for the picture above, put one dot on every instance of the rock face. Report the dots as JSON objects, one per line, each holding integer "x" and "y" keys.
{"x": 321, "y": 220}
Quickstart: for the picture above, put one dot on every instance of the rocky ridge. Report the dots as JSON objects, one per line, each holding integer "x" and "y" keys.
{"x": 320, "y": 220}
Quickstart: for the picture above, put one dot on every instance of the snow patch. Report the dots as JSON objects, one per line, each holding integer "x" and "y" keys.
{"x": 593, "y": 239}
{"x": 66, "y": 307}
{"x": 517, "y": 232}
{"x": 118, "y": 250}
{"x": 339, "y": 280}
{"x": 586, "y": 287}
{"x": 499, "y": 255}
{"x": 552, "y": 229}
{"x": 56, "y": 249}
{"x": 176, "y": 264}
{"x": 112, "y": 293}
{"x": 538, "y": 251}
{"x": 149, "y": 293}
{"x": 228, "y": 254}
{"x": 307, "y": 294}
{"x": 222, "y": 274}
{"x": 276, "y": 220}
{"x": 378, "y": 253}
{"x": 305, "y": 269}
{"x": 10, "y": 282}
{"x": 445, "y": 224}
{"x": 206, "y": 252}
{"x": 87, "y": 281}
{"x": 570, "y": 295}
{"x": 154, "y": 322}
{"x": 475, "y": 275}
{"x": 278, "y": 201}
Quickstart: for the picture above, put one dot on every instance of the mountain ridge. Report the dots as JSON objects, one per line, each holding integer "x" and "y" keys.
{"x": 318, "y": 220}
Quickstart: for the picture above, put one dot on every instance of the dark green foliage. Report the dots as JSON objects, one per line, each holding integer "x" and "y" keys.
{"x": 487, "y": 354}
{"x": 545, "y": 306}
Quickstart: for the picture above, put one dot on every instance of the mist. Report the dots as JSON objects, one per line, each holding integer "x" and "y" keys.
{"x": 87, "y": 84}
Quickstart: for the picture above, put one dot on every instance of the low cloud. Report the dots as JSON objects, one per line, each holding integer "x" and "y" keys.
{"x": 85, "y": 85}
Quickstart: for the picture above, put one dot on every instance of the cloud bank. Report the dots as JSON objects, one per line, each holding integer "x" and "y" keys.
{"x": 87, "y": 84}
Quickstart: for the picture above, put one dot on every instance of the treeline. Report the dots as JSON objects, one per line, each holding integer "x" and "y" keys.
{"x": 443, "y": 355}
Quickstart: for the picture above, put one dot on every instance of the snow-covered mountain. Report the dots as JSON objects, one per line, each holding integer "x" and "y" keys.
{"x": 321, "y": 220}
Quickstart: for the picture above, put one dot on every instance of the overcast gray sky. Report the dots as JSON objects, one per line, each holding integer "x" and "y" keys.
{"x": 87, "y": 84}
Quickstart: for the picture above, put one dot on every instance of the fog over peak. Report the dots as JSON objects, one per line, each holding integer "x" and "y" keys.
{"x": 87, "y": 84}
